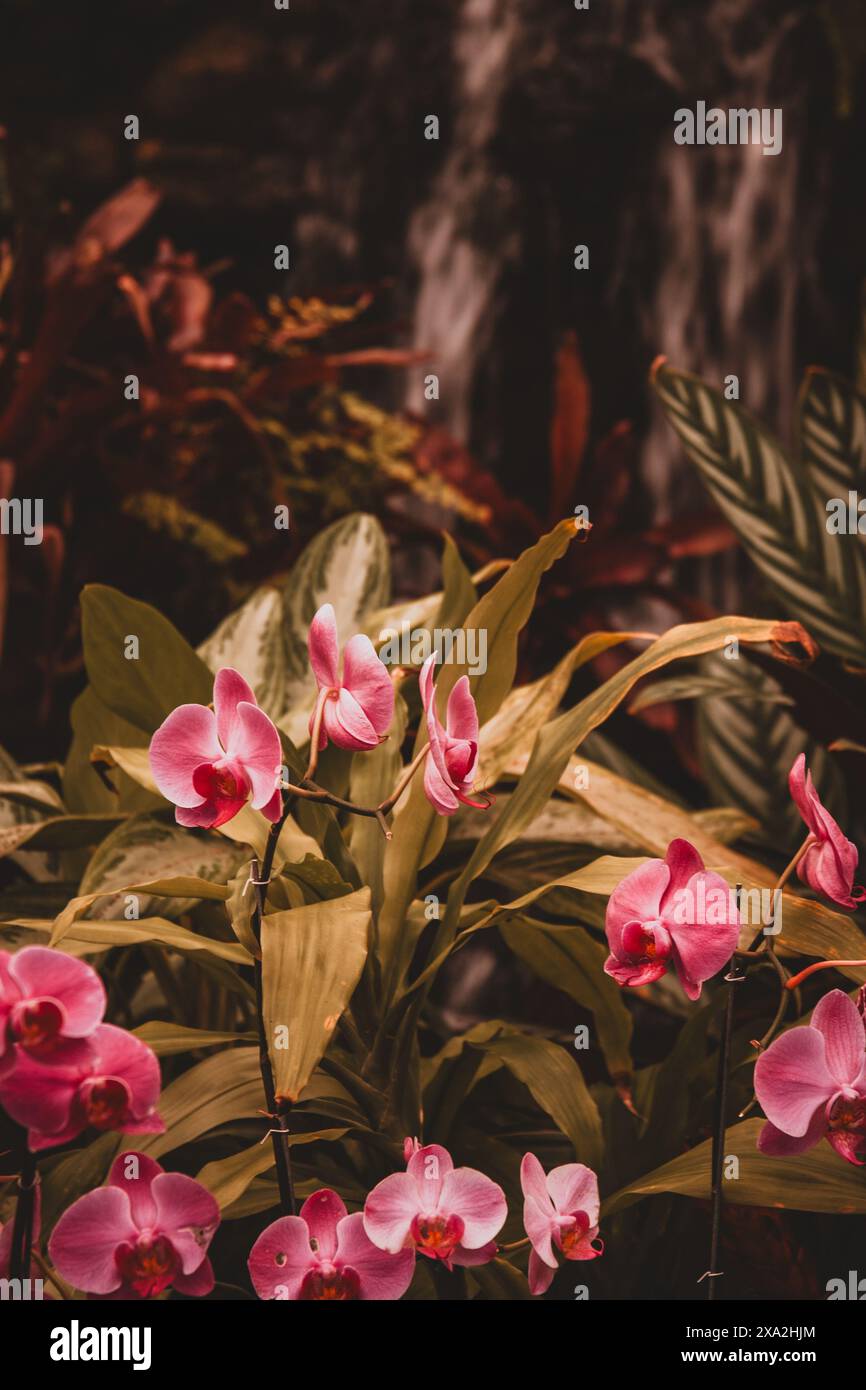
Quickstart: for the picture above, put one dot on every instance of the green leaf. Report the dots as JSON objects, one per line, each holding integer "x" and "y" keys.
{"x": 374, "y": 776}
{"x": 56, "y": 832}
{"x": 747, "y": 745}
{"x": 571, "y": 960}
{"x": 227, "y": 1179}
{"x": 767, "y": 497}
{"x": 143, "y": 849}
{"x": 84, "y": 937}
{"x": 815, "y": 1181}
{"x": 347, "y": 565}
{"x": 711, "y": 681}
{"x": 557, "y": 1086}
{"x": 252, "y": 640}
{"x": 167, "y": 1039}
{"x": 809, "y": 927}
{"x": 184, "y": 887}
{"x": 218, "y": 1091}
{"x": 166, "y": 673}
{"x": 500, "y": 1280}
{"x": 163, "y": 512}
{"x": 832, "y": 424}
{"x": 512, "y": 729}
{"x": 557, "y": 740}
{"x": 83, "y": 788}
{"x": 312, "y": 958}
{"x": 502, "y": 612}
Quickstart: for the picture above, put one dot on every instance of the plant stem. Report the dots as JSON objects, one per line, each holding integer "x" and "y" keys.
{"x": 309, "y": 790}
{"x": 22, "y": 1228}
{"x": 796, "y": 980}
{"x": 278, "y": 1110}
{"x": 733, "y": 977}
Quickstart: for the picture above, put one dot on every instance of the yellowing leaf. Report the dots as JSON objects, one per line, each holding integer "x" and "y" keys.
{"x": 312, "y": 958}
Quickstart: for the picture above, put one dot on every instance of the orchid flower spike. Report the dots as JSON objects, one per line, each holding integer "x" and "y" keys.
{"x": 671, "y": 912}
{"x": 560, "y": 1213}
{"x": 447, "y": 1213}
{"x": 354, "y": 710}
{"x": 325, "y": 1254}
{"x": 143, "y": 1233}
{"x": 451, "y": 761}
{"x": 209, "y": 763}
{"x": 49, "y": 1002}
{"x": 112, "y": 1084}
{"x": 811, "y": 1083}
{"x": 829, "y": 865}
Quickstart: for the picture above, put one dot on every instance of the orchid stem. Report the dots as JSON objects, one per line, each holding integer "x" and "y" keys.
{"x": 316, "y": 733}
{"x": 22, "y": 1228}
{"x": 278, "y": 1110}
{"x": 311, "y": 791}
{"x": 796, "y": 980}
{"x": 734, "y": 975}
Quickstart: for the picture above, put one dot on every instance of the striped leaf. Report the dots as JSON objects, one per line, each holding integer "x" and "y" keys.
{"x": 747, "y": 743}
{"x": 145, "y": 848}
{"x": 252, "y": 641}
{"x": 832, "y": 424}
{"x": 347, "y": 565}
{"x": 768, "y": 498}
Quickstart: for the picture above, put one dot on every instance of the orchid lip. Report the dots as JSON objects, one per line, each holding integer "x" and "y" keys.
{"x": 37, "y": 1024}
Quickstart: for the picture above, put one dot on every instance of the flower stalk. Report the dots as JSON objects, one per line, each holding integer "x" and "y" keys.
{"x": 278, "y": 1110}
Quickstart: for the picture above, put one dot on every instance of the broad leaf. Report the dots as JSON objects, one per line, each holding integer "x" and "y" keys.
{"x": 557, "y": 740}
{"x": 228, "y": 1178}
{"x": 767, "y": 497}
{"x": 348, "y": 566}
{"x": 312, "y": 958}
{"x": 502, "y": 612}
{"x": 167, "y": 1039}
{"x": 165, "y": 673}
{"x": 145, "y": 848}
{"x": 815, "y": 1181}
{"x": 557, "y": 1086}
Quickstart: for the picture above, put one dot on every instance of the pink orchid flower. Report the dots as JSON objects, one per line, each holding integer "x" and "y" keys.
{"x": 450, "y": 763}
{"x": 48, "y": 1003}
{"x": 357, "y": 709}
{"x": 559, "y": 1210}
{"x": 811, "y": 1083}
{"x": 114, "y": 1085}
{"x": 828, "y": 866}
{"x": 209, "y": 763}
{"x": 667, "y": 912}
{"x": 146, "y": 1231}
{"x": 447, "y": 1213}
{"x": 325, "y": 1254}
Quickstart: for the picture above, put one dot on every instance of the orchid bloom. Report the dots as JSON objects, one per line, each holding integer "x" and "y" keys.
{"x": 811, "y": 1083}
{"x": 828, "y": 866}
{"x": 48, "y": 1002}
{"x": 559, "y": 1210}
{"x": 447, "y": 1213}
{"x": 144, "y": 1232}
{"x": 667, "y": 912}
{"x": 356, "y": 709}
{"x": 325, "y": 1254}
{"x": 450, "y": 763}
{"x": 209, "y": 763}
{"x": 113, "y": 1085}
